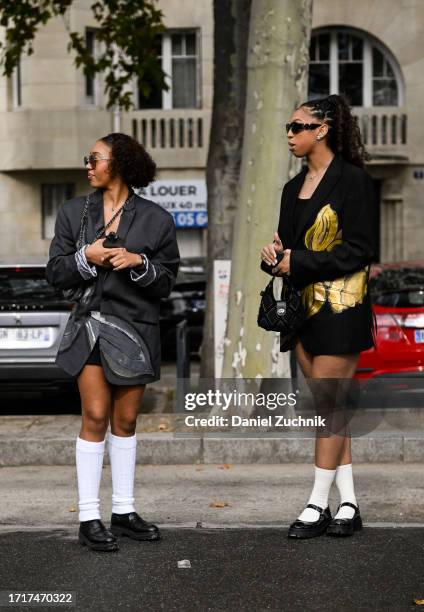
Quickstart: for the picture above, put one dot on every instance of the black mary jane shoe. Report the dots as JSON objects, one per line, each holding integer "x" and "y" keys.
{"x": 133, "y": 526}
{"x": 307, "y": 529}
{"x": 343, "y": 526}
{"x": 95, "y": 535}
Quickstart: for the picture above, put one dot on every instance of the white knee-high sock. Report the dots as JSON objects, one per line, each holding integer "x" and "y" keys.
{"x": 319, "y": 496}
{"x": 122, "y": 453}
{"x": 344, "y": 482}
{"x": 89, "y": 462}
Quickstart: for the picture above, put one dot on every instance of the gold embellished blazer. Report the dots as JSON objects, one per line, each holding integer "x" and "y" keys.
{"x": 332, "y": 246}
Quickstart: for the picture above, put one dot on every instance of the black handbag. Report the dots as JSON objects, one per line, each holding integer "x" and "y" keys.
{"x": 285, "y": 314}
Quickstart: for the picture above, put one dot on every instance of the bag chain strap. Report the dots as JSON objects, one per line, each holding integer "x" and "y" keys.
{"x": 101, "y": 232}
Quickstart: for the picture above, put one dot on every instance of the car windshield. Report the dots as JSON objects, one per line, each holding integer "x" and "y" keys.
{"x": 26, "y": 284}
{"x": 398, "y": 288}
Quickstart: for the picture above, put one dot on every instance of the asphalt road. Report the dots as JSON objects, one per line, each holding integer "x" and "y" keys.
{"x": 231, "y": 569}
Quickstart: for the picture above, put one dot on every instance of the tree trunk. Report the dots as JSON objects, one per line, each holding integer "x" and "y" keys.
{"x": 277, "y": 68}
{"x": 231, "y": 20}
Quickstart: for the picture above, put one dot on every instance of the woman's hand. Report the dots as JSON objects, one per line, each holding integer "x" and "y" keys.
{"x": 120, "y": 259}
{"x": 96, "y": 254}
{"x": 269, "y": 252}
{"x": 284, "y": 265}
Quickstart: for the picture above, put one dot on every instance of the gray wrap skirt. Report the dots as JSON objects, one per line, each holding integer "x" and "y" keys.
{"x": 126, "y": 356}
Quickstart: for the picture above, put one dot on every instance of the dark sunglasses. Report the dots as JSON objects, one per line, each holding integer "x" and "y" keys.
{"x": 297, "y": 127}
{"x": 92, "y": 160}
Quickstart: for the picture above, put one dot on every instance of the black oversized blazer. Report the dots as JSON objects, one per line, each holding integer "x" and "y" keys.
{"x": 145, "y": 228}
{"x": 332, "y": 246}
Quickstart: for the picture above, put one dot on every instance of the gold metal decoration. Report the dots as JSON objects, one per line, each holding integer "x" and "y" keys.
{"x": 341, "y": 293}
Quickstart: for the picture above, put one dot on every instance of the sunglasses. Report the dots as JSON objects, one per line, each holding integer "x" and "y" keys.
{"x": 92, "y": 160}
{"x": 297, "y": 127}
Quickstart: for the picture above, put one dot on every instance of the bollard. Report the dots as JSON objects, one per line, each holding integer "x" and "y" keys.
{"x": 293, "y": 365}
{"x": 183, "y": 365}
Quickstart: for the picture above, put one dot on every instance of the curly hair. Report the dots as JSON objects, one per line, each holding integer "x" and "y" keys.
{"x": 344, "y": 135}
{"x": 130, "y": 160}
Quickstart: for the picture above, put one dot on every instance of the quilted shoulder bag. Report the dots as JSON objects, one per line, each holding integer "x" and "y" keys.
{"x": 281, "y": 311}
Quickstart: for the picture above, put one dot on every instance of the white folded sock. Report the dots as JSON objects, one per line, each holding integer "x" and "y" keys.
{"x": 122, "y": 453}
{"x": 319, "y": 496}
{"x": 344, "y": 482}
{"x": 89, "y": 462}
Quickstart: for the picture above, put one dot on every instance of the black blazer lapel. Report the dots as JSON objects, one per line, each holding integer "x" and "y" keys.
{"x": 127, "y": 217}
{"x": 95, "y": 217}
{"x": 325, "y": 186}
{"x": 95, "y": 220}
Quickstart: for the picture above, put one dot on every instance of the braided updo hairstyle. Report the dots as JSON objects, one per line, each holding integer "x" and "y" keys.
{"x": 344, "y": 136}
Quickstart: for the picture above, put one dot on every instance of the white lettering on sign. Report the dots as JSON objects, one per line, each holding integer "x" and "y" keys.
{"x": 186, "y": 200}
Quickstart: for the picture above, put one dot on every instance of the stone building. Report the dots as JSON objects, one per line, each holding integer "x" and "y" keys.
{"x": 51, "y": 114}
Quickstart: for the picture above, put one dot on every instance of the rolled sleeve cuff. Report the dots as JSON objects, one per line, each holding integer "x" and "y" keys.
{"x": 148, "y": 276}
{"x": 83, "y": 266}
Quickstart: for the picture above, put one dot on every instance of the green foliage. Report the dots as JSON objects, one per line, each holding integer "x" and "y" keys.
{"x": 127, "y": 36}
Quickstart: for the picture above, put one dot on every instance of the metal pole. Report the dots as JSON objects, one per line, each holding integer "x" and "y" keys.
{"x": 183, "y": 365}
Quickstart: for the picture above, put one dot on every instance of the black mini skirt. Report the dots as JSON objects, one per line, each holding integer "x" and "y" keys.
{"x": 94, "y": 357}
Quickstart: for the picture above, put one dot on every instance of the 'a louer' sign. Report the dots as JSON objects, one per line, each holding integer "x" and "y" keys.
{"x": 184, "y": 199}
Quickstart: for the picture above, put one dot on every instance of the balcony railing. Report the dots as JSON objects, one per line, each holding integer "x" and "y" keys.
{"x": 175, "y": 138}
{"x": 384, "y": 130}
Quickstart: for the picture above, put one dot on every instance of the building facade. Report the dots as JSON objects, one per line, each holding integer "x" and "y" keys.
{"x": 51, "y": 114}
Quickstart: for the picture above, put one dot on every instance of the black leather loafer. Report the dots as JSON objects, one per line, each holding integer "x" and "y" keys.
{"x": 306, "y": 529}
{"x": 95, "y": 535}
{"x": 343, "y": 526}
{"x": 133, "y": 526}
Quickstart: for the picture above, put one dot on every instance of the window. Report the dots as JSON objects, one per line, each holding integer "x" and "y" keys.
{"x": 344, "y": 61}
{"x": 52, "y": 197}
{"x": 179, "y": 58}
{"x": 91, "y": 80}
{"x": 384, "y": 81}
{"x": 319, "y": 67}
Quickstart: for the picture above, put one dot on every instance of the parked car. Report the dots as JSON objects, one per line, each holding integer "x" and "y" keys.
{"x": 397, "y": 293}
{"x": 186, "y": 302}
{"x": 33, "y": 316}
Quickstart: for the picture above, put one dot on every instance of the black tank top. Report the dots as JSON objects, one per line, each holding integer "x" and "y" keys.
{"x": 300, "y": 205}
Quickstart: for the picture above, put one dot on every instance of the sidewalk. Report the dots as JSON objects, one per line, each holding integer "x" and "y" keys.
{"x": 181, "y": 495}
{"x": 392, "y": 436}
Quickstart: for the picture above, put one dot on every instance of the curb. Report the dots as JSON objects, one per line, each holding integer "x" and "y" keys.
{"x": 171, "y": 449}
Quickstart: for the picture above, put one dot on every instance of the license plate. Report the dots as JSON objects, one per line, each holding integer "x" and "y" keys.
{"x": 25, "y": 337}
{"x": 419, "y": 335}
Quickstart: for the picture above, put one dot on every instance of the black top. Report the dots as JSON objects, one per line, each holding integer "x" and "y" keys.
{"x": 298, "y": 210}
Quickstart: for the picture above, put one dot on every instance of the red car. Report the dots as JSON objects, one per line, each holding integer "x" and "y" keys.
{"x": 397, "y": 293}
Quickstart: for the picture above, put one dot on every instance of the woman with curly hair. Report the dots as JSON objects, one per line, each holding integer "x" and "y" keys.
{"x": 325, "y": 239}
{"x": 115, "y": 255}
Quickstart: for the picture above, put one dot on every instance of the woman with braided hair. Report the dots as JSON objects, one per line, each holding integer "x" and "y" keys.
{"x": 325, "y": 234}
{"x": 115, "y": 254}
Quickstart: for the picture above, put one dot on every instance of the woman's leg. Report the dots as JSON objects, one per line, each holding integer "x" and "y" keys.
{"x": 122, "y": 451}
{"x": 322, "y": 478}
{"x": 123, "y": 446}
{"x": 328, "y": 451}
{"x": 334, "y": 452}
{"x": 304, "y": 360}
{"x": 95, "y": 393}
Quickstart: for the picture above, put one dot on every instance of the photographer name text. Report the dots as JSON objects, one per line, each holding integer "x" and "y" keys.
{"x": 272, "y": 420}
